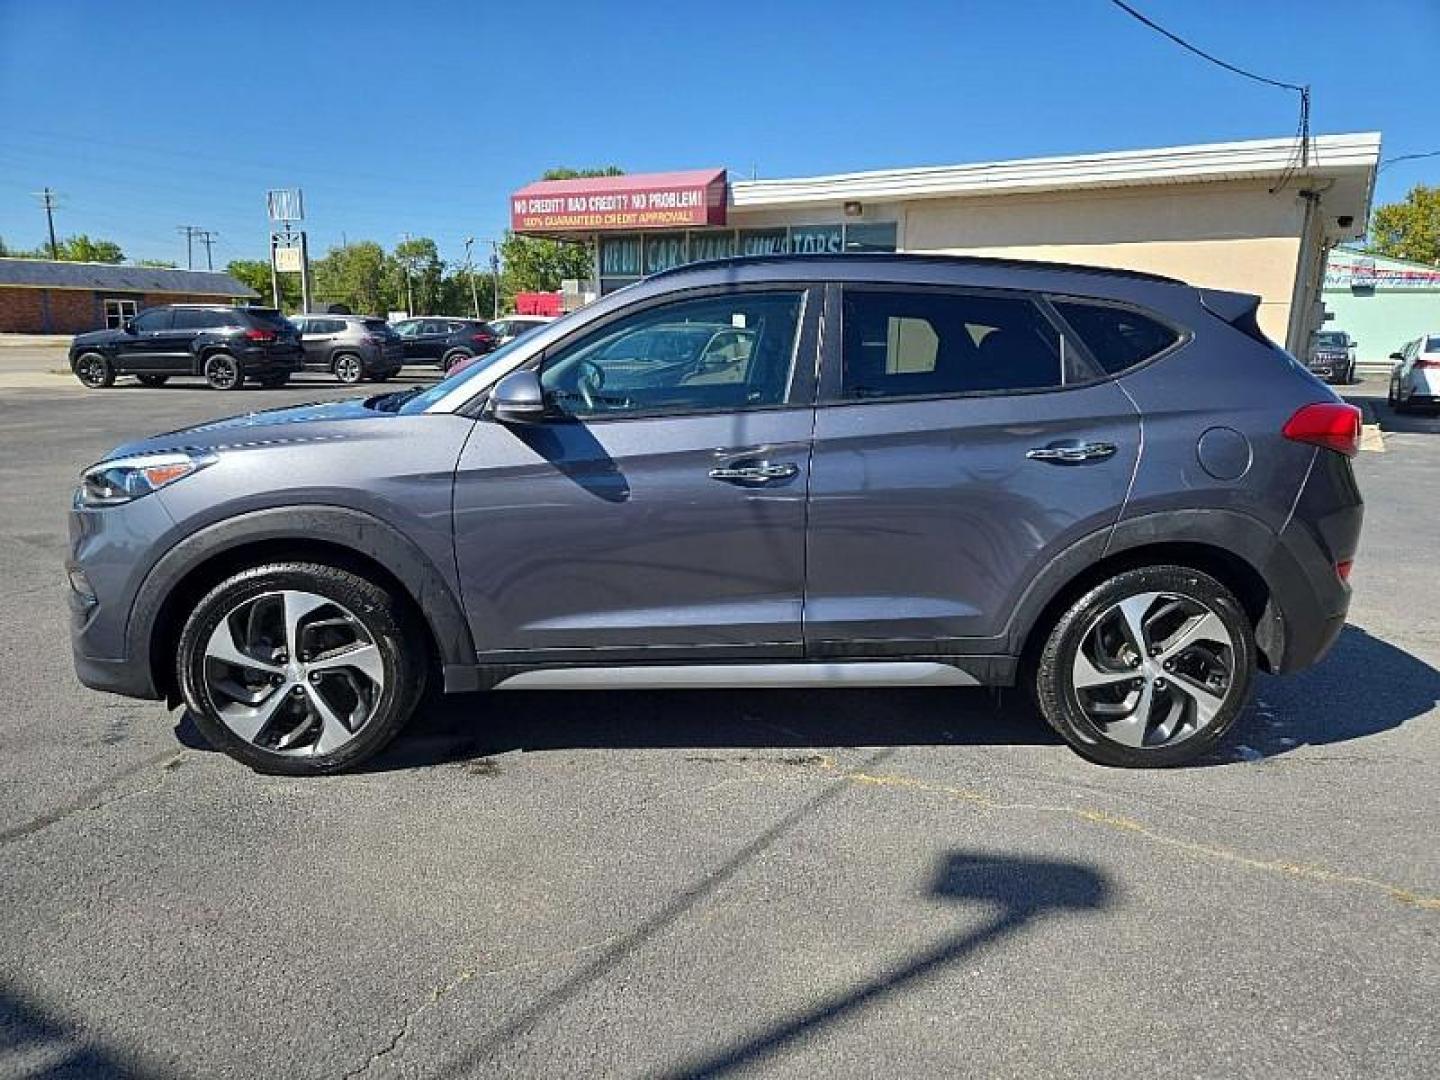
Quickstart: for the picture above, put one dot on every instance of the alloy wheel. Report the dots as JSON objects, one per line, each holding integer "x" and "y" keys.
{"x": 347, "y": 369}
{"x": 222, "y": 373}
{"x": 1154, "y": 670}
{"x": 293, "y": 672}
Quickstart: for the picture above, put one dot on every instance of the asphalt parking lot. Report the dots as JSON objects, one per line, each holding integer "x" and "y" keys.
{"x": 849, "y": 883}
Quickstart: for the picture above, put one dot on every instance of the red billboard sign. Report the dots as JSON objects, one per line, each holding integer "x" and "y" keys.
{"x": 640, "y": 201}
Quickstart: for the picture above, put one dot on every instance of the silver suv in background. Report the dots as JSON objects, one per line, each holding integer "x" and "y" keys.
{"x": 353, "y": 347}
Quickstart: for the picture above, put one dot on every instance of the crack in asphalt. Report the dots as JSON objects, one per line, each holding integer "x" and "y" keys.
{"x": 88, "y": 801}
{"x": 1308, "y": 871}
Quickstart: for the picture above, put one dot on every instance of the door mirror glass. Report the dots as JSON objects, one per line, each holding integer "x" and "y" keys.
{"x": 1397, "y": 356}
{"x": 518, "y": 398}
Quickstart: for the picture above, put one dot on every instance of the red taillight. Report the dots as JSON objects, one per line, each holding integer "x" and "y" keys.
{"x": 1343, "y": 569}
{"x": 1422, "y": 362}
{"x": 1330, "y": 424}
{"x": 483, "y": 339}
{"x": 260, "y": 335}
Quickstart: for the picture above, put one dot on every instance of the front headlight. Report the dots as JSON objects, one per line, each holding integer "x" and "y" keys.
{"x": 124, "y": 480}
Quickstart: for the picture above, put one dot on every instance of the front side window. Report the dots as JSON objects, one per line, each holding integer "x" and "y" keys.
{"x": 717, "y": 353}
{"x": 926, "y": 343}
{"x": 407, "y": 329}
{"x": 154, "y": 319}
{"x": 1117, "y": 337}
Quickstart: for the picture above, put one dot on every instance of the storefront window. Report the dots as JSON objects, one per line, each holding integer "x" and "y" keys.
{"x": 620, "y": 256}
{"x": 816, "y": 240}
{"x": 763, "y": 242}
{"x": 870, "y": 236}
{"x": 664, "y": 250}
{"x": 711, "y": 245}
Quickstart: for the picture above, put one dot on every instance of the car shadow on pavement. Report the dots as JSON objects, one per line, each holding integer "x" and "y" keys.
{"x": 1365, "y": 686}
{"x": 463, "y": 727}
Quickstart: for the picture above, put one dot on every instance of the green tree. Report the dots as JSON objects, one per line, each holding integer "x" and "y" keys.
{"x": 256, "y": 274}
{"x": 419, "y": 270}
{"x": 535, "y": 264}
{"x": 159, "y": 264}
{"x": 81, "y": 248}
{"x": 358, "y": 275}
{"x": 1409, "y": 229}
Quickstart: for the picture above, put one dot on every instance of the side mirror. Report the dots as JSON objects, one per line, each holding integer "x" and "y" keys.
{"x": 518, "y": 398}
{"x": 129, "y": 327}
{"x": 1397, "y": 356}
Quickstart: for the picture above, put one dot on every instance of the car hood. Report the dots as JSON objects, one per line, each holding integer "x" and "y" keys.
{"x": 294, "y": 424}
{"x": 97, "y": 337}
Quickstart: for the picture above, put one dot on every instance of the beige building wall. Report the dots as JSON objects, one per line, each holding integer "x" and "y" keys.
{"x": 1224, "y": 235}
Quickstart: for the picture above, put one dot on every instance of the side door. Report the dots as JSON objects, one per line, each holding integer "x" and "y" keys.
{"x": 408, "y": 331}
{"x": 434, "y": 336}
{"x": 961, "y": 441}
{"x": 149, "y": 343}
{"x": 648, "y": 517}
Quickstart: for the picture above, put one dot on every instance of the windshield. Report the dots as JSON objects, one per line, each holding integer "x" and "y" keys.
{"x": 1331, "y": 339}
{"x": 420, "y": 402}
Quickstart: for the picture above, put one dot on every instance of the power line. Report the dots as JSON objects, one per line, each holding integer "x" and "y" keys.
{"x": 190, "y": 231}
{"x": 1406, "y": 157}
{"x": 1303, "y": 91}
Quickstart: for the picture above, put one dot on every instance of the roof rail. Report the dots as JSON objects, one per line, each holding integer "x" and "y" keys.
{"x": 910, "y": 257}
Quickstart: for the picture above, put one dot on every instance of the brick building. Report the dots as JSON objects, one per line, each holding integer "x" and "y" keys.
{"x": 42, "y": 297}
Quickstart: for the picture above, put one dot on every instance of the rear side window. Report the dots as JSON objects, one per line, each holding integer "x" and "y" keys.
{"x": 268, "y": 318}
{"x": 1117, "y": 338}
{"x": 906, "y": 344}
{"x": 1432, "y": 344}
{"x": 197, "y": 319}
{"x": 376, "y": 326}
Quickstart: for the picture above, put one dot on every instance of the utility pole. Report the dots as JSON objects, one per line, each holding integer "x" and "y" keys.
{"x": 495, "y": 276}
{"x": 47, "y": 200}
{"x": 207, "y": 237}
{"x": 190, "y": 231}
{"x": 470, "y": 273}
{"x": 405, "y": 265}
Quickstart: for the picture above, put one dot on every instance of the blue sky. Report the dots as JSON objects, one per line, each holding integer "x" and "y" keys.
{"x": 422, "y": 117}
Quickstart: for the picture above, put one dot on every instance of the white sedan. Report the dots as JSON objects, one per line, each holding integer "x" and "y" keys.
{"x": 1415, "y": 378}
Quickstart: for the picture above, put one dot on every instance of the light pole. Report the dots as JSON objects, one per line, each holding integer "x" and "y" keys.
{"x": 470, "y": 273}
{"x": 495, "y": 276}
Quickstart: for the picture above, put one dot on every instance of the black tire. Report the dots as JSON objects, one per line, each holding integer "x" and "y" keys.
{"x": 348, "y": 368}
{"x": 453, "y": 357}
{"x": 153, "y": 380}
{"x": 384, "y": 619}
{"x": 222, "y": 372}
{"x": 1390, "y": 394}
{"x": 1059, "y": 701}
{"x": 94, "y": 370}
{"x": 274, "y": 382}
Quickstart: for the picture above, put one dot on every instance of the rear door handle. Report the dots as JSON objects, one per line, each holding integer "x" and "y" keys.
{"x": 759, "y": 472}
{"x": 1072, "y": 452}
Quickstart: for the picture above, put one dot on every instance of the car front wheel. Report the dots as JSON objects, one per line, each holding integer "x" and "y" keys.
{"x": 1150, "y": 668}
{"x": 95, "y": 371}
{"x": 348, "y": 368}
{"x": 299, "y": 668}
{"x": 453, "y": 357}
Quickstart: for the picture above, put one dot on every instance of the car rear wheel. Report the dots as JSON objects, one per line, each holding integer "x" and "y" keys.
{"x": 299, "y": 668}
{"x": 1150, "y": 668}
{"x": 153, "y": 380}
{"x": 453, "y": 357}
{"x": 95, "y": 371}
{"x": 348, "y": 368}
{"x": 222, "y": 372}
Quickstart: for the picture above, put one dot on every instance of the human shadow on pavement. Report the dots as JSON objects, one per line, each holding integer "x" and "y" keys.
{"x": 1017, "y": 890}
{"x": 34, "y": 1042}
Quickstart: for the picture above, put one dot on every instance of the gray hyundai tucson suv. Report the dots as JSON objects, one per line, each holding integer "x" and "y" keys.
{"x": 858, "y": 470}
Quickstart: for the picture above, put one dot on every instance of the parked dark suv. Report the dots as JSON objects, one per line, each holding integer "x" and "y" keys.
{"x": 226, "y": 345}
{"x": 444, "y": 341}
{"x": 352, "y": 347}
{"x": 893, "y": 470}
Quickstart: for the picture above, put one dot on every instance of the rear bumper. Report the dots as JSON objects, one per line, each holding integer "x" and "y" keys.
{"x": 262, "y": 361}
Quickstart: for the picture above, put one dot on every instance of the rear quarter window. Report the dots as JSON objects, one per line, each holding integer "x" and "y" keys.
{"x": 1118, "y": 338}
{"x": 270, "y": 320}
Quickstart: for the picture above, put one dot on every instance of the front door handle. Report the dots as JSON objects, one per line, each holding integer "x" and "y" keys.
{"x": 759, "y": 472}
{"x": 1072, "y": 452}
